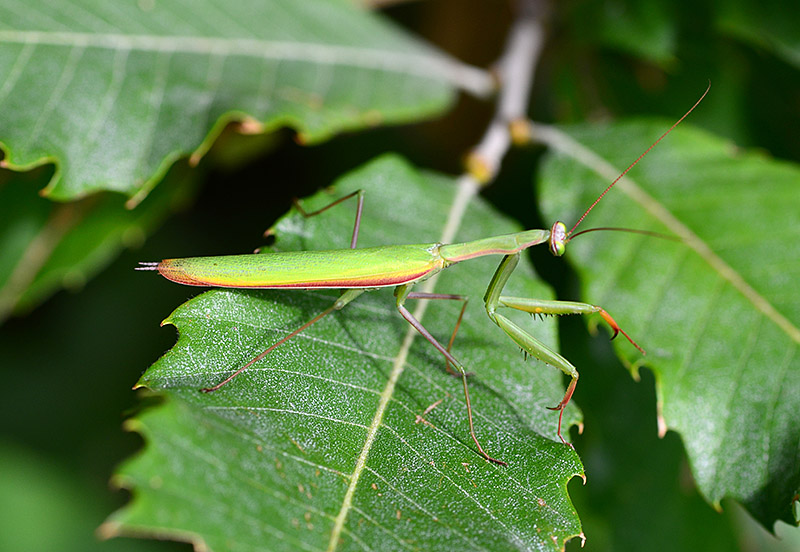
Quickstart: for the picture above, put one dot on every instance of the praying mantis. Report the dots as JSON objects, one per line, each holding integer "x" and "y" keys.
{"x": 356, "y": 271}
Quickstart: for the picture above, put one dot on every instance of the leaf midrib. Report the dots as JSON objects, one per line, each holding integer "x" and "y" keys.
{"x": 465, "y": 192}
{"x": 427, "y": 64}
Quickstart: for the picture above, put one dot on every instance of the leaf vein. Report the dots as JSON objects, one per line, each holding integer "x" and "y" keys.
{"x": 285, "y": 411}
{"x": 429, "y": 65}
{"x": 383, "y": 529}
{"x": 207, "y": 503}
{"x": 16, "y": 70}
{"x": 240, "y": 431}
{"x": 415, "y": 504}
{"x": 785, "y": 371}
{"x": 702, "y": 322}
{"x": 660, "y": 294}
{"x": 155, "y": 102}
{"x": 737, "y": 377}
{"x": 64, "y": 79}
{"x": 109, "y": 98}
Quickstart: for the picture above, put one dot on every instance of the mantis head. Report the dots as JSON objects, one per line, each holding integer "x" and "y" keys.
{"x": 558, "y": 239}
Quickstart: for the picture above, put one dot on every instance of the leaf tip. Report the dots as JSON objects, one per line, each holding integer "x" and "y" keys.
{"x": 133, "y": 424}
{"x": 167, "y": 322}
{"x": 134, "y": 201}
{"x": 660, "y": 420}
{"x": 108, "y": 530}
{"x": 250, "y": 126}
{"x": 194, "y": 158}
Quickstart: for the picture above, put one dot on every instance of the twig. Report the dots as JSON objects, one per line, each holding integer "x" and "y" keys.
{"x": 515, "y": 69}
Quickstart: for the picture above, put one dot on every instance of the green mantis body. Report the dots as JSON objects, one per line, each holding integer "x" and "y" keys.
{"x": 401, "y": 266}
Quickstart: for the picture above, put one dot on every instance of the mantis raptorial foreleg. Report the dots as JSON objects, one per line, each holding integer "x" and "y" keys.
{"x": 529, "y": 344}
{"x": 404, "y": 292}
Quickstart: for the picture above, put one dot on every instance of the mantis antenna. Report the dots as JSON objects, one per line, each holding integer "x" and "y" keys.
{"x": 670, "y": 129}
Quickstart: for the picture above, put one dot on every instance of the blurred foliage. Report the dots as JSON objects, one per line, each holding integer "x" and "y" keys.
{"x": 70, "y": 363}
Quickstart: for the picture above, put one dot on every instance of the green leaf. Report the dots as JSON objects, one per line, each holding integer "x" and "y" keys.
{"x": 46, "y": 246}
{"x": 644, "y": 28}
{"x": 114, "y": 93}
{"x": 719, "y": 313}
{"x": 771, "y": 25}
{"x": 323, "y": 438}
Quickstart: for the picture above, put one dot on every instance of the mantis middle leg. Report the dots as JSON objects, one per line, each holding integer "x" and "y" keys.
{"x": 404, "y": 292}
{"x": 529, "y": 344}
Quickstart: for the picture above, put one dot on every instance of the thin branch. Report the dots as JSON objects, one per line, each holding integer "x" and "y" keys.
{"x": 515, "y": 69}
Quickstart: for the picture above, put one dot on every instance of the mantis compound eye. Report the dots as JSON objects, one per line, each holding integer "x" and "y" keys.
{"x": 558, "y": 239}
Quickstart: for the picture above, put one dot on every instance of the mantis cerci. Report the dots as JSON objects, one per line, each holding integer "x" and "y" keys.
{"x": 401, "y": 266}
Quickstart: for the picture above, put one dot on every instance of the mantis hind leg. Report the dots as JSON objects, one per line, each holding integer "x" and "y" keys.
{"x": 402, "y": 293}
{"x": 359, "y": 208}
{"x": 340, "y": 303}
{"x": 529, "y": 344}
